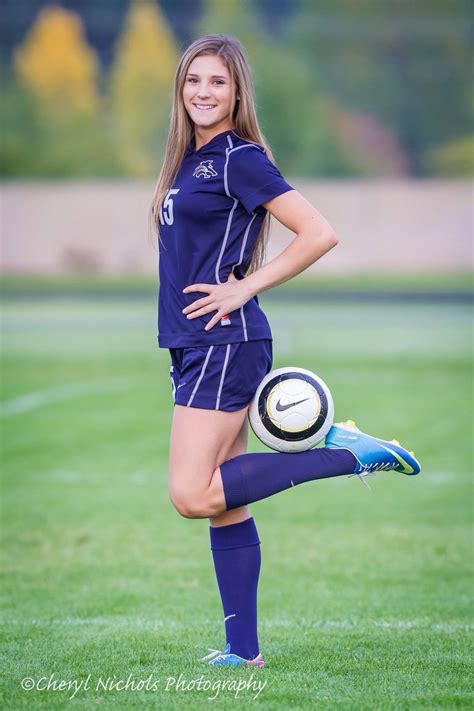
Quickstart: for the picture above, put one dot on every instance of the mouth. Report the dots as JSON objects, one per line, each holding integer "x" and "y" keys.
{"x": 205, "y": 107}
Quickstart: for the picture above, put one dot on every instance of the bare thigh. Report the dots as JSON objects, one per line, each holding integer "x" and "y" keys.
{"x": 201, "y": 440}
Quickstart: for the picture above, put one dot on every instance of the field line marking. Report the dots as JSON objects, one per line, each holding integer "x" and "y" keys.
{"x": 39, "y": 398}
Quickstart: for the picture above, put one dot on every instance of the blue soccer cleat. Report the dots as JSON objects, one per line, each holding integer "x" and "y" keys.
{"x": 372, "y": 454}
{"x": 227, "y": 659}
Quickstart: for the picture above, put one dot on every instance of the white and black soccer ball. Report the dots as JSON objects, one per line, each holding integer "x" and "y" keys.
{"x": 292, "y": 410}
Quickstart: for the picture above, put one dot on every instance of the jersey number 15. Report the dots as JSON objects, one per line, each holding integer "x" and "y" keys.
{"x": 166, "y": 210}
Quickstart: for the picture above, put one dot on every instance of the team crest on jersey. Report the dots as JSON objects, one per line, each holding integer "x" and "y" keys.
{"x": 205, "y": 169}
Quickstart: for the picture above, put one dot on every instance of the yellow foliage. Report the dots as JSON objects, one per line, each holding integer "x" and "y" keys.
{"x": 141, "y": 82}
{"x": 56, "y": 63}
{"x": 146, "y": 53}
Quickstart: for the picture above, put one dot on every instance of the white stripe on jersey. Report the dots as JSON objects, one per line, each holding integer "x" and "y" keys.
{"x": 201, "y": 375}
{"x": 228, "y": 151}
{"x": 244, "y": 242}
{"x": 226, "y": 236}
{"x": 224, "y": 368}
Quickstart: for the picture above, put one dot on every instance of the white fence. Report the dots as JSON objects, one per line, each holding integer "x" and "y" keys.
{"x": 410, "y": 225}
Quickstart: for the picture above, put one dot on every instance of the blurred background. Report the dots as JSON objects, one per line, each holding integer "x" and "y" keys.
{"x": 368, "y": 108}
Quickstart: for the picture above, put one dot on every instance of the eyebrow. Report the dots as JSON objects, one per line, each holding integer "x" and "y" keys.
{"x": 214, "y": 76}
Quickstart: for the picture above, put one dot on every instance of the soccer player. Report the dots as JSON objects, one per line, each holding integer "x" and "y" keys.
{"x": 216, "y": 191}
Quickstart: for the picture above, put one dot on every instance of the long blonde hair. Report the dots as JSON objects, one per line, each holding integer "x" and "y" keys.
{"x": 244, "y": 120}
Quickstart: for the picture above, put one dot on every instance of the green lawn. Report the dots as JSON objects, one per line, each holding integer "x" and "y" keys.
{"x": 365, "y": 597}
{"x": 385, "y": 281}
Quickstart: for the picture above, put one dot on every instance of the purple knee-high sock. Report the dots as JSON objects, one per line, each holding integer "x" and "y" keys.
{"x": 236, "y": 553}
{"x": 251, "y": 477}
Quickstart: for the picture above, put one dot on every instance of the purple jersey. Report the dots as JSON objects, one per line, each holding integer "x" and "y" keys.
{"x": 209, "y": 224}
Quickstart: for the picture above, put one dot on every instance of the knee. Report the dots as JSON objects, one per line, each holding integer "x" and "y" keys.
{"x": 187, "y": 505}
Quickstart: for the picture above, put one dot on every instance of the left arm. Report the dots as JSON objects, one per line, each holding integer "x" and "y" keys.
{"x": 314, "y": 237}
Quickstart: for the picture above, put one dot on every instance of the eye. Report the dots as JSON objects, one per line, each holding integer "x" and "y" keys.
{"x": 193, "y": 80}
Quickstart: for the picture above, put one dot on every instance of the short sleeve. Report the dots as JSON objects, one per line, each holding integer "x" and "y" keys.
{"x": 253, "y": 178}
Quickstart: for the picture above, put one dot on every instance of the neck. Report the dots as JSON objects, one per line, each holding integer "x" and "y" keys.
{"x": 204, "y": 135}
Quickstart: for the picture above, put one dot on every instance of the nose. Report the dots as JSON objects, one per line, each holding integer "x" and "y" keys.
{"x": 203, "y": 91}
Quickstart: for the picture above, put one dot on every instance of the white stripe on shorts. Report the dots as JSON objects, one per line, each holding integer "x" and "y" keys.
{"x": 224, "y": 368}
{"x": 201, "y": 375}
{"x": 244, "y": 323}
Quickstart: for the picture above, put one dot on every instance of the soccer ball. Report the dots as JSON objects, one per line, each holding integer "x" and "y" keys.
{"x": 292, "y": 410}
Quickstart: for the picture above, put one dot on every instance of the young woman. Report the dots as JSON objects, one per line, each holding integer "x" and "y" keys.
{"x": 217, "y": 189}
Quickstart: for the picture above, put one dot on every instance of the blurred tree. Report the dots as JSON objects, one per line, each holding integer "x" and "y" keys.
{"x": 454, "y": 159}
{"x": 57, "y": 65}
{"x": 406, "y": 64}
{"x": 21, "y": 125}
{"x": 141, "y": 86}
{"x": 291, "y": 108}
{"x": 56, "y": 145}
{"x": 52, "y": 113}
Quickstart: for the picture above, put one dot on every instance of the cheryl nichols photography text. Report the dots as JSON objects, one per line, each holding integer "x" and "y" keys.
{"x": 153, "y": 684}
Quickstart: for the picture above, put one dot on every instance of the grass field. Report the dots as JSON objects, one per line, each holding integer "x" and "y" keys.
{"x": 365, "y": 597}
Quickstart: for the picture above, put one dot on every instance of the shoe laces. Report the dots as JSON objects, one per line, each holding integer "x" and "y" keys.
{"x": 362, "y": 477}
{"x": 214, "y": 653}
{"x": 375, "y": 467}
{"x": 371, "y": 470}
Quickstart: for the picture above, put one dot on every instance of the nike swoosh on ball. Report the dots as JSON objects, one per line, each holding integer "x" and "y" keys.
{"x": 281, "y": 408}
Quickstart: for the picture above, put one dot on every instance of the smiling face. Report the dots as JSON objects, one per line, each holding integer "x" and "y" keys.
{"x": 208, "y": 95}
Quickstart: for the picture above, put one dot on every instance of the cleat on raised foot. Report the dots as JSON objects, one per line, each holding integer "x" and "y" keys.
{"x": 350, "y": 424}
{"x": 372, "y": 454}
{"x": 227, "y": 659}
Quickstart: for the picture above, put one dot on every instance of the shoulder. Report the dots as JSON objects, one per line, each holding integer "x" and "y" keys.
{"x": 240, "y": 147}
{"x": 248, "y": 159}
{"x": 245, "y": 157}
{"x": 246, "y": 163}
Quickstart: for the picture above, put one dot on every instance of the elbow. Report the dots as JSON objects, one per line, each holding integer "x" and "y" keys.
{"x": 321, "y": 244}
{"x": 326, "y": 242}
{"x": 332, "y": 239}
